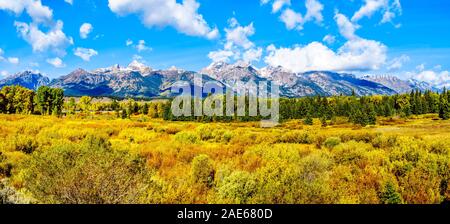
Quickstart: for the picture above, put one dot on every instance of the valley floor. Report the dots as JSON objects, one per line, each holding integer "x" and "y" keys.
{"x": 101, "y": 159}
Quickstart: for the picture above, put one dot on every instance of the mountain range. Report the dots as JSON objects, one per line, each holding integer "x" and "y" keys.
{"x": 139, "y": 80}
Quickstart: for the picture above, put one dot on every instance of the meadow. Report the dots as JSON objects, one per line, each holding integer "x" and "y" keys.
{"x": 104, "y": 159}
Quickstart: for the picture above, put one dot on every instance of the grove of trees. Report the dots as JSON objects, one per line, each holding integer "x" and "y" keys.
{"x": 20, "y": 100}
{"x": 359, "y": 110}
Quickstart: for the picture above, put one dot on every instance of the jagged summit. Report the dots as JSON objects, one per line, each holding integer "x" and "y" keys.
{"x": 399, "y": 85}
{"x": 28, "y": 79}
{"x": 139, "y": 80}
{"x": 139, "y": 66}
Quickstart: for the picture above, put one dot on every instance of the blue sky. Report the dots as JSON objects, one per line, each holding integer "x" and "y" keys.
{"x": 407, "y": 38}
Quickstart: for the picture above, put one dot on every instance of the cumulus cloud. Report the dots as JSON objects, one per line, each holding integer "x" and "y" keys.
{"x": 389, "y": 9}
{"x": 439, "y": 79}
{"x": 252, "y": 55}
{"x": 277, "y": 5}
{"x": 85, "y": 53}
{"x": 329, "y": 39}
{"x": 346, "y": 28}
{"x": 237, "y": 41}
{"x": 237, "y": 35}
{"x": 34, "y": 8}
{"x": 69, "y": 1}
{"x": 141, "y": 46}
{"x": 220, "y": 55}
{"x": 85, "y": 30}
{"x": 293, "y": 19}
{"x": 56, "y": 62}
{"x": 357, "y": 54}
{"x": 434, "y": 76}
{"x": 54, "y": 39}
{"x": 184, "y": 16}
{"x": 1, "y": 55}
{"x": 41, "y": 15}
{"x": 13, "y": 60}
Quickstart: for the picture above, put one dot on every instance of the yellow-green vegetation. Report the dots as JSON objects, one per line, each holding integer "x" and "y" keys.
{"x": 105, "y": 159}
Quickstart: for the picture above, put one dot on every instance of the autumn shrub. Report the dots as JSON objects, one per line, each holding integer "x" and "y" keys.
{"x": 384, "y": 142}
{"x": 287, "y": 183}
{"x": 351, "y": 153}
{"x": 24, "y": 143}
{"x": 86, "y": 173}
{"x": 202, "y": 170}
{"x": 332, "y": 142}
{"x": 299, "y": 137}
{"x": 187, "y": 137}
{"x": 237, "y": 188}
{"x": 205, "y": 132}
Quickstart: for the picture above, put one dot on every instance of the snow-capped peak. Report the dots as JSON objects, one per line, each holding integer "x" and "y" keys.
{"x": 138, "y": 66}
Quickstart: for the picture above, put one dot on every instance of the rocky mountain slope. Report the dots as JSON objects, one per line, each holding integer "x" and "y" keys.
{"x": 401, "y": 86}
{"x": 27, "y": 79}
{"x": 139, "y": 80}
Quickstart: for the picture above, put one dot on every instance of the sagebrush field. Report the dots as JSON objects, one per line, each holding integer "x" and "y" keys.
{"x": 104, "y": 159}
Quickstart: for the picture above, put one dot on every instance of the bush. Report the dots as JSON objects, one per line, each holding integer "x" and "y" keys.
{"x": 299, "y": 137}
{"x": 187, "y": 137}
{"x": 389, "y": 195}
{"x": 202, "y": 170}
{"x": 332, "y": 142}
{"x": 238, "y": 188}
{"x": 25, "y": 144}
{"x": 88, "y": 173}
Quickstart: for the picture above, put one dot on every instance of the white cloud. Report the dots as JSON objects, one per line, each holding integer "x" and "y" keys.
{"x": 420, "y": 67}
{"x": 4, "y": 73}
{"x": 34, "y": 8}
{"x": 237, "y": 35}
{"x": 389, "y": 9}
{"x": 355, "y": 55}
{"x": 56, "y": 62}
{"x": 236, "y": 42}
{"x": 85, "y": 53}
{"x": 329, "y": 39}
{"x": 85, "y": 30}
{"x": 220, "y": 55}
{"x": 278, "y": 4}
{"x": 434, "y": 76}
{"x": 13, "y": 60}
{"x": 369, "y": 8}
{"x": 129, "y": 42}
{"x": 397, "y": 63}
{"x": 252, "y": 55}
{"x": 160, "y": 13}
{"x": 293, "y": 19}
{"x": 54, "y": 39}
{"x": 438, "y": 79}
{"x": 313, "y": 11}
{"x": 346, "y": 28}
{"x": 141, "y": 46}
{"x": 69, "y": 1}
